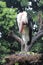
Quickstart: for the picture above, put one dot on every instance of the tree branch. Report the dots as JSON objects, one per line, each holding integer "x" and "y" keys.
{"x": 34, "y": 39}
{"x": 17, "y": 38}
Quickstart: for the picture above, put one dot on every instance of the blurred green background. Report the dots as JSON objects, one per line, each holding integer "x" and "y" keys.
{"x": 8, "y": 14}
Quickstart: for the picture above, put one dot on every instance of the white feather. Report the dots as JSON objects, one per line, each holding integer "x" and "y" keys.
{"x": 22, "y": 17}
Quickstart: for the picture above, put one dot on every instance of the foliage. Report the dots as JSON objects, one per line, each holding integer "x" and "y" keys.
{"x": 7, "y": 16}
{"x": 8, "y": 23}
{"x": 38, "y": 47}
{"x": 24, "y": 3}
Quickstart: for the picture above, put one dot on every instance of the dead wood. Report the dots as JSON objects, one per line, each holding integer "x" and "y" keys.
{"x": 24, "y": 58}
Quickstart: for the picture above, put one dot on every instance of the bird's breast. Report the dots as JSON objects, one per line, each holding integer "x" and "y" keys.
{"x": 25, "y": 34}
{"x": 25, "y": 30}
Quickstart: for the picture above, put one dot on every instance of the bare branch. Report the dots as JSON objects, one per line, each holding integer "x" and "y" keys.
{"x": 36, "y": 37}
{"x": 17, "y": 38}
